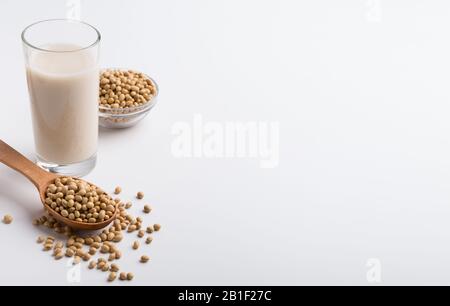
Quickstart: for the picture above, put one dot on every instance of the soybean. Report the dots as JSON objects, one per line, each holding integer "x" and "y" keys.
{"x": 112, "y": 277}
{"x": 7, "y": 219}
{"x": 140, "y": 195}
{"x": 136, "y": 245}
{"x": 147, "y": 209}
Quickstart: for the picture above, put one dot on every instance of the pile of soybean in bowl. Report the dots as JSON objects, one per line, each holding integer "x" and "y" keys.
{"x": 100, "y": 250}
{"x": 125, "y": 97}
{"x": 122, "y": 89}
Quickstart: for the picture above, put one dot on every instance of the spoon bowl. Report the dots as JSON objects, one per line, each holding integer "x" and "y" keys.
{"x": 42, "y": 179}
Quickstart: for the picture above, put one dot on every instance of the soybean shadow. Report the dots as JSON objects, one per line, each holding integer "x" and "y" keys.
{"x": 105, "y": 133}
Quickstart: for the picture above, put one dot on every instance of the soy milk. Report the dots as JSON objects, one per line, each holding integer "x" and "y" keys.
{"x": 63, "y": 89}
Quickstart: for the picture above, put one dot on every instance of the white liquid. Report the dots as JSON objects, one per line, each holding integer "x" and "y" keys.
{"x": 63, "y": 91}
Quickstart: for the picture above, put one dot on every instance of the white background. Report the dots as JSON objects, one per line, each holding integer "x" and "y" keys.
{"x": 360, "y": 90}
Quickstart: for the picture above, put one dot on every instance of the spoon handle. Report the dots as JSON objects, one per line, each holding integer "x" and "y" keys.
{"x": 20, "y": 163}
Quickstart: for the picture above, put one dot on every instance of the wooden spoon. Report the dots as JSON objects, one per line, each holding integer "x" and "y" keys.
{"x": 41, "y": 179}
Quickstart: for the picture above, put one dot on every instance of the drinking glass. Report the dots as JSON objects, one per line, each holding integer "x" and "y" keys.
{"x": 61, "y": 58}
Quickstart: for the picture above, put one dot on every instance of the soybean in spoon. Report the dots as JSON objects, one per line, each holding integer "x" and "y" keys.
{"x": 75, "y": 202}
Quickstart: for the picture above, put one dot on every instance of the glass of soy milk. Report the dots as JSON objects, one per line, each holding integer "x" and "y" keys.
{"x": 61, "y": 59}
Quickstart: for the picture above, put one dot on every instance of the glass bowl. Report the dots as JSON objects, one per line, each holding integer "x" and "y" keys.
{"x": 119, "y": 118}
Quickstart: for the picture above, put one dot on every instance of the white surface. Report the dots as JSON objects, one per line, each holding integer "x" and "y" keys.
{"x": 360, "y": 89}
